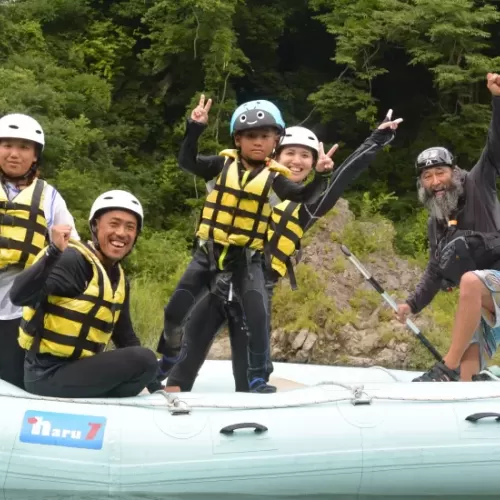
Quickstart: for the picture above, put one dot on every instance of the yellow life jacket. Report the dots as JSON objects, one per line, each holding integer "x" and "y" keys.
{"x": 237, "y": 213}
{"x": 23, "y": 227}
{"x": 75, "y": 327}
{"x": 284, "y": 235}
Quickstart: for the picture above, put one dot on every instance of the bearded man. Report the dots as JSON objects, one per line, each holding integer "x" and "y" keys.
{"x": 464, "y": 241}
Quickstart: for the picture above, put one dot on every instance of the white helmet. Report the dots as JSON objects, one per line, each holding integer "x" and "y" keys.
{"x": 117, "y": 200}
{"x": 17, "y": 126}
{"x": 300, "y": 136}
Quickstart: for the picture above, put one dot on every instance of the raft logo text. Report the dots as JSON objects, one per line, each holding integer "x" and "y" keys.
{"x": 63, "y": 429}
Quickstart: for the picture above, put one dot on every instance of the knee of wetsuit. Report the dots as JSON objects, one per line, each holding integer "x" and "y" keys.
{"x": 170, "y": 343}
{"x": 178, "y": 307}
{"x": 144, "y": 358}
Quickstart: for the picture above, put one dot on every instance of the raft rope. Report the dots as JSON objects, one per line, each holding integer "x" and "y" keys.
{"x": 357, "y": 395}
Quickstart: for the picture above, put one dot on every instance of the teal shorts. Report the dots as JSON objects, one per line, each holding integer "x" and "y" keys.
{"x": 488, "y": 333}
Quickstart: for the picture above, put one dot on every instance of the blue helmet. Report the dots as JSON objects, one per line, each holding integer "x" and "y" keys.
{"x": 256, "y": 114}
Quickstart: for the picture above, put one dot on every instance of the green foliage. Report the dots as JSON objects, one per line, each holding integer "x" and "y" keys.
{"x": 160, "y": 256}
{"x": 365, "y": 299}
{"x": 147, "y": 300}
{"x": 363, "y": 238}
{"x": 411, "y": 236}
{"x": 307, "y": 307}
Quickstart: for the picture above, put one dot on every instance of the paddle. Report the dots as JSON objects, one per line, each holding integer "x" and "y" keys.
{"x": 375, "y": 284}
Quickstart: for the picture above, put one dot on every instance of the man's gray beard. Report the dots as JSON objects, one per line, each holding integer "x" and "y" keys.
{"x": 443, "y": 206}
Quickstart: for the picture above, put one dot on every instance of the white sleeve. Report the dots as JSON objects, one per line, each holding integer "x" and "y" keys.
{"x": 57, "y": 212}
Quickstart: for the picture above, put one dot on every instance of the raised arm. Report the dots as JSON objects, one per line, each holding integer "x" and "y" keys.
{"x": 486, "y": 170}
{"x": 206, "y": 167}
{"x": 350, "y": 169}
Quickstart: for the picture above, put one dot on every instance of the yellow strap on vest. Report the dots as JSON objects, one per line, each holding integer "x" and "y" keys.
{"x": 229, "y": 153}
{"x": 278, "y": 167}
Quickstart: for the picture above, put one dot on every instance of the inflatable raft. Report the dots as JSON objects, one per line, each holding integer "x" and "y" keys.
{"x": 329, "y": 433}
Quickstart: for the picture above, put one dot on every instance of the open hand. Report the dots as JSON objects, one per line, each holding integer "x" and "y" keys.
{"x": 200, "y": 113}
{"x": 325, "y": 162}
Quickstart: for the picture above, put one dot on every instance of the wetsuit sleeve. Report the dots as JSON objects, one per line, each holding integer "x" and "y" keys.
{"x": 286, "y": 189}
{"x": 206, "y": 167}
{"x": 345, "y": 174}
{"x": 430, "y": 283}
{"x": 485, "y": 172}
{"x": 123, "y": 333}
{"x": 57, "y": 273}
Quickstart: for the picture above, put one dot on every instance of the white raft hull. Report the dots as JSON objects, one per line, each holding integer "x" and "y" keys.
{"x": 390, "y": 439}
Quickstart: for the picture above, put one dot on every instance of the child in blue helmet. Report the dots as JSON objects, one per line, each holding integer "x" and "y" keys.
{"x": 233, "y": 226}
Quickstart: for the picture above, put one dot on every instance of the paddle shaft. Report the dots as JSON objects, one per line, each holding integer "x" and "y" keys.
{"x": 375, "y": 284}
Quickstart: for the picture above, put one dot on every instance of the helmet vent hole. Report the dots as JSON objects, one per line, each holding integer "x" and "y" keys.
{"x": 15, "y": 127}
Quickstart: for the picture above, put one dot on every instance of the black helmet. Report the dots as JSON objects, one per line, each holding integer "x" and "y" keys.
{"x": 433, "y": 157}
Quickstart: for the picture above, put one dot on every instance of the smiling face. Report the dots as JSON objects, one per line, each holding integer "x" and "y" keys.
{"x": 439, "y": 190}
{"x": 298, "y": 159}
{"x": 258, "y": 143}
{"x": 16, "y": 156}
{"x": 116, "y": 233}
{"x": 437, "y": 180}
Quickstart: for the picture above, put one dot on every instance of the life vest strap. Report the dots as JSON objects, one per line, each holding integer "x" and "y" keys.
{"x": 22, "y": 246}
{"x": 79, "y": 317}
{"x": 253, "y": 234}
{"x": 14, "y": 205}
{"x": 89, "y": 318}
{"x": 13, "y": 220}
{"x": 291, "y": 274}
{"x": 218, "y": 202}
{"x": 78, "y": 343}
{"x": 33, "y": 215}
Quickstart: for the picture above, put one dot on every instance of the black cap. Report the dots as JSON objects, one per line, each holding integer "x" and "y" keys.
{"x": 433, "y": 157}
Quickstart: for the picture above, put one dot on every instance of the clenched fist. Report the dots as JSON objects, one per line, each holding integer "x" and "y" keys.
{"x": 493, "y": 83}
{"x": 60, "y": 236}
